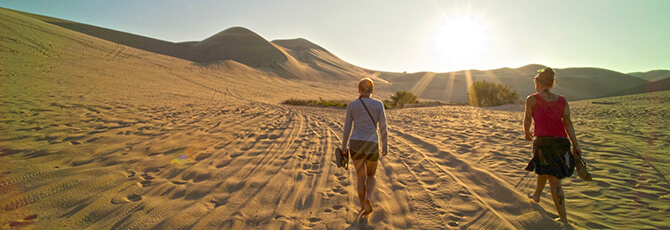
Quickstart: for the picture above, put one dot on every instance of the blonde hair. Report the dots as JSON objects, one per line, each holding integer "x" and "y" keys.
{"x": 366, "y": 86}
{"x": 546, "y": 76}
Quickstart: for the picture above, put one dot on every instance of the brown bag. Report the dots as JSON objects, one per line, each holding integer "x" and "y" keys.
{"x": 581, "y": 168}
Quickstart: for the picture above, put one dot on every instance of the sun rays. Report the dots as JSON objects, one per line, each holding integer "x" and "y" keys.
{"x": 423, "y": 83}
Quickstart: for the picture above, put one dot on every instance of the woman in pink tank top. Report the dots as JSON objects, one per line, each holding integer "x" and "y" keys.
{"x": 552, "y": 159}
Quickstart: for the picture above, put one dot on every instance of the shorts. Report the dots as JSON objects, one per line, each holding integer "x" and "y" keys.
{"x": 552, "y": 156}
{"x": 364, "y": 150}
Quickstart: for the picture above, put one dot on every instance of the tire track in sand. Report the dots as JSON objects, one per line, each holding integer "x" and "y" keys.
{"x": 249, "y": 178}
{"x": 222, "y": 173}
{"x": 473, "y": 175}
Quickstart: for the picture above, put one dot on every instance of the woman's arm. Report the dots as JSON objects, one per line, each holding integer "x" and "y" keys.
{"x": 567, "y": 123}
{"x": 528, "y": 118}
{"x": 383, "y": 131}
{"x": 348, "y": 121}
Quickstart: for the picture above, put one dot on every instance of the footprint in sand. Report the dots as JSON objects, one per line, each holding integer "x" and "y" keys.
{"x": 134, "y": 198}
{"x": 313, "y": 166}
{"x": 340, "y": 191}
{"x": 147, "y": 176}
{"x": 220, "y": 146}
{"x": 177, "y": 182}
{"x": 343, "y": 180}
{"x": 282, "y": 218}
{"x": 93, "y": 139}
{"x": 127, "y": 199}
{"x": 202, "y": 156}
{"x": 330, "y": 194}
{"x": 314, "y": 219}
{"x": 28, "y": 220}
{"x": 145, "y": 183}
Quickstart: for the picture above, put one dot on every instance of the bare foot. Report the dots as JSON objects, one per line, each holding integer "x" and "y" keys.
{"x": 561, "y": 220}
{"x": 535, "y": 198}
{"x": 367, "y": 208}
{"x": 362, "y": 211}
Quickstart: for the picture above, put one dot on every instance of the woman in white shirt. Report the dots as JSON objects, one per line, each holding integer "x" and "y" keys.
{"x": 365, "y": 114}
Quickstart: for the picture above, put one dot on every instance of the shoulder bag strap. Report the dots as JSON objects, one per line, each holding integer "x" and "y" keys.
{"x": 369, "y": 114}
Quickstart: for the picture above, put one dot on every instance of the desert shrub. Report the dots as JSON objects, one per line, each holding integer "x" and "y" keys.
{"x": 483, "y": 93}
{"x": 388, "y": 104}
{"x": 293, "y": 101}
{"x": 400, "y": 98}
{"x": 331, "y": 103}
{"x": 321, "y": 102}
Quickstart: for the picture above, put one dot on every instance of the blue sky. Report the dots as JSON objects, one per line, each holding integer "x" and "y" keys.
{"x": 390, "y": 35}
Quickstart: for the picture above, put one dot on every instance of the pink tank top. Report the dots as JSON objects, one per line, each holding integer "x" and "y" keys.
{"x": 548, "y": 117}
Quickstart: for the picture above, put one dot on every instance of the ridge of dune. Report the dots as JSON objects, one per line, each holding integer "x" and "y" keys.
{"x": 297, "y": 44}
{"x": 239, "y": 44}
{"x": 323, "y": 61}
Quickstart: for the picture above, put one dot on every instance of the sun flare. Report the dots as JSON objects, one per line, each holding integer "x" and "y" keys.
{"x": 461, "y": 41}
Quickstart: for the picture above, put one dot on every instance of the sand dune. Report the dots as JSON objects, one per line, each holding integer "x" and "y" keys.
{"x": 236, "y": 44}
{"x": 322, "y": 61}
{"x": 239, "y": 44}
{"x": 98, "y": 135}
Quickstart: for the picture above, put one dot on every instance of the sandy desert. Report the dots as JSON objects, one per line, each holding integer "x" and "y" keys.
{"x": 95, "y": 134}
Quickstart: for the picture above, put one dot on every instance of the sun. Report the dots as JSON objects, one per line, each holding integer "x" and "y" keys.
{"x": 460, "y": 41}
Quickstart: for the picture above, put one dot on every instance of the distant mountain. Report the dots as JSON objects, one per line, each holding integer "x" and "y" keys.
{"x": 660, "y": 85}
{"x": 587, "y": 83}
{"x": 573, "y": 83}
{"x": 652, "y": 76}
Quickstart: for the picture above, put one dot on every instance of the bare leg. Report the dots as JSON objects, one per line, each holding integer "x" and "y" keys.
{"x": 541, "y": 181}
{"x": 559, "y": 198}
{"x": 370, "y": 169}
{"x": 360, "y": 181}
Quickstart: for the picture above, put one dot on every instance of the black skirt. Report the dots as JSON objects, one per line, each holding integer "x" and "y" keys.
{"x": 552, "y": 156}
{"x": 364, "y": 149}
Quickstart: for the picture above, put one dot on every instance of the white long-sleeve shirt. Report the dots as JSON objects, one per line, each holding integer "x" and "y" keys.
{"x": 363, "y": 128}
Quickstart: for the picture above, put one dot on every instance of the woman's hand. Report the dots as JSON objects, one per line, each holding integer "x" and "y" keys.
{"x": 529, "y": 136}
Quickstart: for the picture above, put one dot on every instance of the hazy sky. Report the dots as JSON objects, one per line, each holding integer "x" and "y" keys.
{"x": 417, "y": 35}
